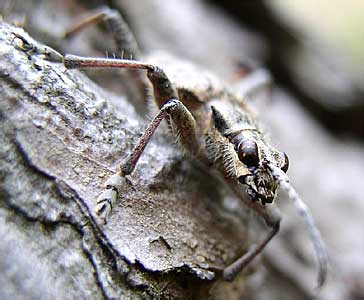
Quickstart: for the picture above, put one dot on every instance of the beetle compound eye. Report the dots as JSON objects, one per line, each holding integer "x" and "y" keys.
{"x": 285, "y": 165}
{"x": 242, "y": 179}
{"x": 248, "y": 153}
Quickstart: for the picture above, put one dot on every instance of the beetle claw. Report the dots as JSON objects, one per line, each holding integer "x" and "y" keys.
{"x": 108, "y": 197}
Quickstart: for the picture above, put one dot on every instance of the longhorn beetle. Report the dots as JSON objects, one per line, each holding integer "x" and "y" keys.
{"x": 211, "y": 123}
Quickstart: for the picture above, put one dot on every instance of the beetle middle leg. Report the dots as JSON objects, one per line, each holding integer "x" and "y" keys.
{"x": 181, "y": 121}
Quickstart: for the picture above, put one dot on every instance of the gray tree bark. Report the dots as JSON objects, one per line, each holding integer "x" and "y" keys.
{"x": 62, "y": 135}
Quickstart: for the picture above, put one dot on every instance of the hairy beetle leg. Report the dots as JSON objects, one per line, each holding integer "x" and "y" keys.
{"x": 230, "y": 272}
{"x": 80, "y": 62}
{"x": 272, "y": 218}
{"x": 114, "y": 185}
{"x": 182, "y": 121}
{"x": 121, "y": 33}
{"x": 125, "y": 46}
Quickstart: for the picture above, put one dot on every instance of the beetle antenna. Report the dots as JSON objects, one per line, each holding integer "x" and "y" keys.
{"x": 304, "y": 211}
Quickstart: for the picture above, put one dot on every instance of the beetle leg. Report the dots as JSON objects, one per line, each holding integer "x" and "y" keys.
{"x": 234, "y": 269}
{"x": 183, "y": 123}
{"x": 81, "y": 62}
{"x": 114, "y": 184}
{"x": 180, "y": 118}
{"x": 272, "y": 218}
{"x": 126, "y": 46}
{"x": 122, "y": 35}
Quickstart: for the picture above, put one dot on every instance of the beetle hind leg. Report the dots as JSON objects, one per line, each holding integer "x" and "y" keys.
{"x": 121, "y": 33}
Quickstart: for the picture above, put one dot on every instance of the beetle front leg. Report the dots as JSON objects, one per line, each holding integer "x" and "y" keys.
{"x": 185, "y": 125}
{"x": 115, "y": 183}
{"x": 272, "y": 218}
{"x": 234, "y": 269}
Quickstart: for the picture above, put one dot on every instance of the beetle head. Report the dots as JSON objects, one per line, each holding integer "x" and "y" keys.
{"x": 257, "y": 156}
{"x": 252, "y": 156}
